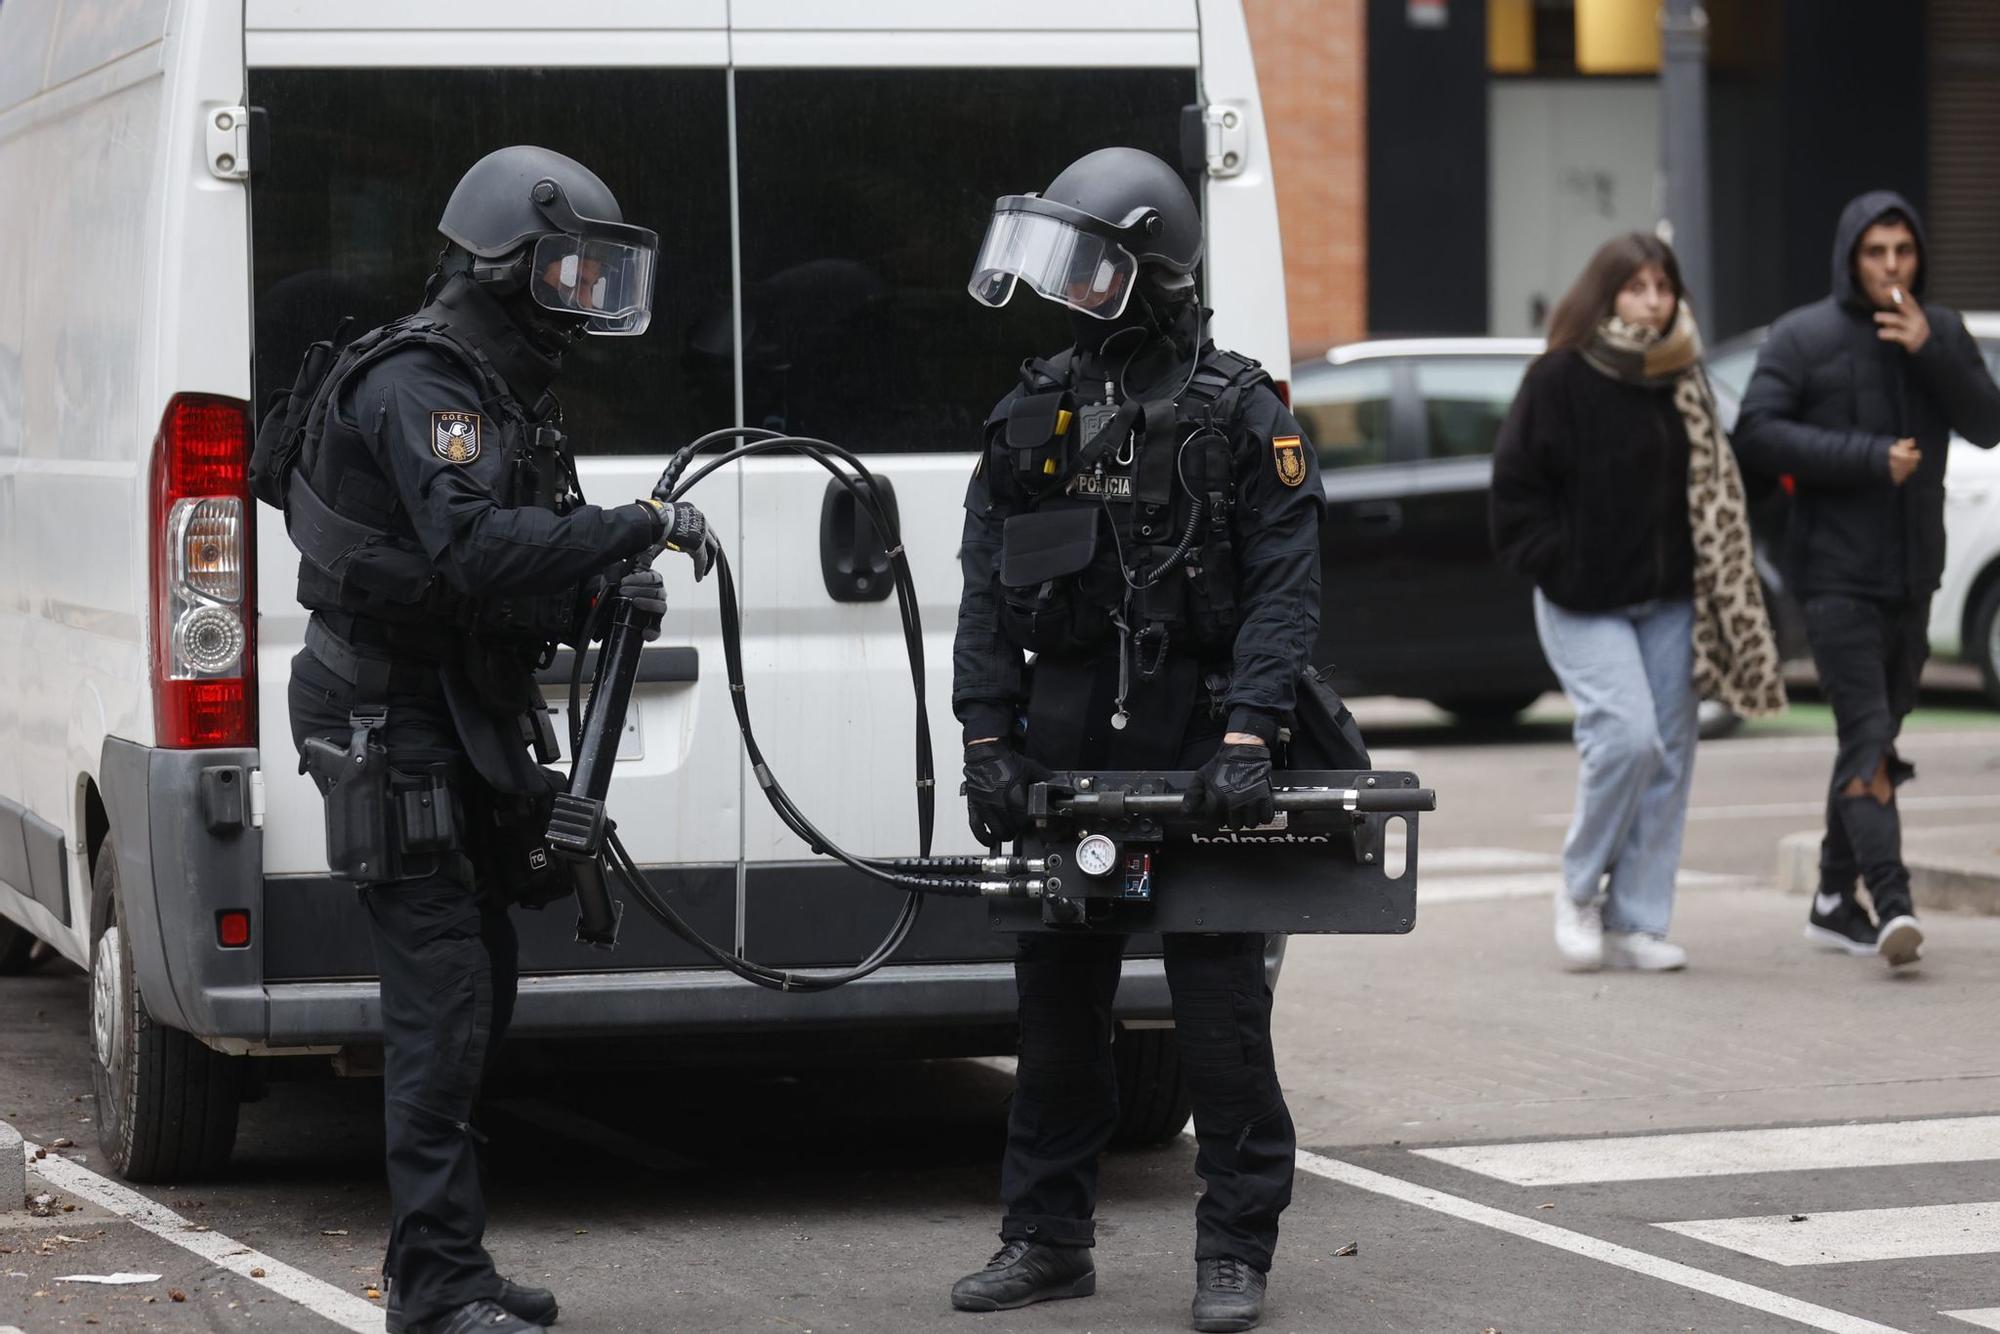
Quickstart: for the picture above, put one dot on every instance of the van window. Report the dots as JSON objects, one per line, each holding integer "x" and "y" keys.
{"x": 865, "y": 194}
{"x": 1345, "y": 413}
{"x": 344, "y": 220}
{"x": 1465, "y": 400}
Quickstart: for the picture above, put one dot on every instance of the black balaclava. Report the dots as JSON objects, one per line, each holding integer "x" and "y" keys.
{"x": 1151, "y": 339}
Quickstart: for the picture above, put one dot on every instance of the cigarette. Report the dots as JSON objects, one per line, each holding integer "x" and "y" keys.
{"x": 1896, "y": 295}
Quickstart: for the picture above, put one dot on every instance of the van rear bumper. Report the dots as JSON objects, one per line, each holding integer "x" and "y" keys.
{"x": 691, "y": 1002}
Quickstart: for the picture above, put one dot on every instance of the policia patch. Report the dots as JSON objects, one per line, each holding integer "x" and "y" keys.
{"x": 1290, "y": 456}
{"x": 455, "y": 436}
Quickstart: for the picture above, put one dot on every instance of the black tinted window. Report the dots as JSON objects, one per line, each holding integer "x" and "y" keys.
{"x": 1465, "y": 400}
{"x": 1345, "y": 412}
{"x": 865, "y": 194}
{"x": 344, "y": 219}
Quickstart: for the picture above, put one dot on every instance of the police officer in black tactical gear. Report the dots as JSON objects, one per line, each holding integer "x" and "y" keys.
{"x": 426, "y": 480}
{"x": 1145, "y": 521}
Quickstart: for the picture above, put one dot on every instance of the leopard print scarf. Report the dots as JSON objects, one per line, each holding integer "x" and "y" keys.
{"x": 1735, "y": 655}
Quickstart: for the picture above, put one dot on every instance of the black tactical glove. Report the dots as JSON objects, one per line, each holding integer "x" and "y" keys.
{"x": 684, "y": 529}
{"x": 647, "y": 592}
{"x": 1234, "y": 787}
{"x": 997, "y": 779}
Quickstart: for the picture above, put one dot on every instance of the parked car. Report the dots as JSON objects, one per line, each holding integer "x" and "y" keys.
{"x": 1965, "y": 613}
{"x": 1415, "y": 603}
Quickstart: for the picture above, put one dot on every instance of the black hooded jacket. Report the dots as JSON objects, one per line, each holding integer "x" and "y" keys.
{"x": 1830, "y": 397}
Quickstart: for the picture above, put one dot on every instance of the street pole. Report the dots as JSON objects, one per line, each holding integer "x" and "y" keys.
{"x": 1684, "y": 147}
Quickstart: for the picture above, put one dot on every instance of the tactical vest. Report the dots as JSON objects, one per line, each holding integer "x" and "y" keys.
{"x": 361, "y": 554}
{"x": 1118, "y": 517}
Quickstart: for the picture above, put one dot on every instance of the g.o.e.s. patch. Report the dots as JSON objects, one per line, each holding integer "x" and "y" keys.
{"x": 455, "y": 436}
{"x": 1290, "y": 455}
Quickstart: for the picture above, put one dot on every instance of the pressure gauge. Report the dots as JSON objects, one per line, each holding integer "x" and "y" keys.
{"x": 1096, "y": 855}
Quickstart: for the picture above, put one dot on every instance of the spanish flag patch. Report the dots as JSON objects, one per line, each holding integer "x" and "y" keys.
{"x": 1290, "y": 455}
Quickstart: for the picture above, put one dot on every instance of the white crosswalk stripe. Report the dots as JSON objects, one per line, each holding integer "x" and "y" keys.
{"x": 1478, "y": 875}
{"x": 1805, "y": 1236}
{"x": 1963, "y": 1139}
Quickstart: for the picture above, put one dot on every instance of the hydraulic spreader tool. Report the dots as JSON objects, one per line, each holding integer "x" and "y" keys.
{"x": 1111, "y": 851}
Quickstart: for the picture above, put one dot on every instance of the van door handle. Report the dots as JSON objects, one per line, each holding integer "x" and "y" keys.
{"x": 853, "y": 557}
{"x": 1379, "y": 518}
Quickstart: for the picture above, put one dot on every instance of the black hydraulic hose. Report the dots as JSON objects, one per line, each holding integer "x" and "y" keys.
{"x": 918, "y": 876}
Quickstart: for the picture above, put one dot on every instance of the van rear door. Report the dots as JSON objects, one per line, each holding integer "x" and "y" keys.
{"x": 371, "y": 121}
{"x": 870, "y": 148}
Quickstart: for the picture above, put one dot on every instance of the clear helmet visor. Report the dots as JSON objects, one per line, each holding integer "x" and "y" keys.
{"x": 1060, "y": 261}
{"x": 611, "y": 282}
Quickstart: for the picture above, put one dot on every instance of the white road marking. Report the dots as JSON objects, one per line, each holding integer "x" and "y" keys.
{"x": 1847, "y": 1235}
{"x": 1790, "y": 809}
{"x": 1577, "y": 1243}
{"x": 1484, "y": 859}
{"x": 343, "y": 1308}
{"x": 1525, "y": 885}
{"x": 1711, "y": 1153}
{"x": 1988, "y": 1318}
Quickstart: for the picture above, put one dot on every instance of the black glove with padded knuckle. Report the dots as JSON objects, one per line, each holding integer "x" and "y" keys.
{"x": 997, "y": 779}
{"x": 647, "y": 592}
{"x": 1234, "y": 787}
{"x": 684, "y": 528}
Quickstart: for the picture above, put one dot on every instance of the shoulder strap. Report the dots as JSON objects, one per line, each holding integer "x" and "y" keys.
{"x": 1216, "y": 391}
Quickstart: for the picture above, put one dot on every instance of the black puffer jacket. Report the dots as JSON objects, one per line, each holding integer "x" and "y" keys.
{"x": 1590, "y": 488}
{"x": 1830, "y": 397}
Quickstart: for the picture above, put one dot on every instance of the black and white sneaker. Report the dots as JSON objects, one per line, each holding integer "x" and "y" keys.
{"x": 1901, "y": 941}
{"x": 1839, "y": 923}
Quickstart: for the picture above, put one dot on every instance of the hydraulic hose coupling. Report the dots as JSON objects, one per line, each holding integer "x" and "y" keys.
{"x": 1015, "y": 887}
{"x": 1013, "y": 865}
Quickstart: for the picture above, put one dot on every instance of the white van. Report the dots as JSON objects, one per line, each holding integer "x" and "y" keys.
{"x": 196, "y": 189}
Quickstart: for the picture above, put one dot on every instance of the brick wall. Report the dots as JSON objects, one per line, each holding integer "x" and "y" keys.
{"x": 1311, "y": 65}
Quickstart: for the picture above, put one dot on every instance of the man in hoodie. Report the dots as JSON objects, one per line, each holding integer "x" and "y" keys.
{"x": 1856, "y": 398}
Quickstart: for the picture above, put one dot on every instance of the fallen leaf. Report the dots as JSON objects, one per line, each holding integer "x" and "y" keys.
{"x": 1351, "y": 1248}
{"x": 257, "y": 1273}
{"x": 1549, "y": 1204}
{"x": 176, "y": 1295}
{"x": 62, "y": 1142}
{"x": 1798, "y": 1218}
{"x": 333, "y": 1232}
{"x": 372, "y": 1294}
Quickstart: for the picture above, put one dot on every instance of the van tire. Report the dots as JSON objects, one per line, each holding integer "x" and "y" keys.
{"x": 1982, "y": 645}
{"x": 1153, "y": 1102}
{"x": 166, "y": 1104}
{"x": 17, "y": 949}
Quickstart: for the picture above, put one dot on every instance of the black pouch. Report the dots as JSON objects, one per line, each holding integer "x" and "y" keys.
{"x": 1049, "y": 599}
{"x": 361, "y": 841}
{"x": 512, "y": 856}
{"x": 1037, "y": 435}
{"x": 426, "y": 818}
{"x": 281, "y": 435}
{"x": 1324, "y": 734}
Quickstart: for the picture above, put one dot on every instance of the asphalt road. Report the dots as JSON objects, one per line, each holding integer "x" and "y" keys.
{"x": 848, "y": 1199}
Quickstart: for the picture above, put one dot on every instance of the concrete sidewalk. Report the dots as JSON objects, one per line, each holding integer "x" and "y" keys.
{"x": 1952, "y": 869}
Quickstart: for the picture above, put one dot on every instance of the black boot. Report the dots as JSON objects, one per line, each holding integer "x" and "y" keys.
{"x": 537, "y": 1306}
{"x": 1228, "y": 1295}
{"x": 480, "y": 1317}
{"x": 1839, "y": 922}
{"x": 1022, "y": 1273}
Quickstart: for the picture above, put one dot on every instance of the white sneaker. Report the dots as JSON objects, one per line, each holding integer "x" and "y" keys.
{"x": 1643, "y": 951}
{"x": 1580, "y": 932}
{"x": 1901, "y": 941}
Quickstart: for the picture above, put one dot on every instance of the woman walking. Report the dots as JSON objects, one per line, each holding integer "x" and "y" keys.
{"x": 1615, "y": 490}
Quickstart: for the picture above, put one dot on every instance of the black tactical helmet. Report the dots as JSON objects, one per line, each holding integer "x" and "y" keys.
{"x": 1082, "y": 242}
{"x": 533, "y": 218}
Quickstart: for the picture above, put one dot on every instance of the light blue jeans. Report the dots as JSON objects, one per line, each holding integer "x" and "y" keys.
{"x": 1630, "y": 674}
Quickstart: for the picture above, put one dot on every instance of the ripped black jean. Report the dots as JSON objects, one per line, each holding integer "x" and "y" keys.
{"x": 1066, "y": 1092}
{"x": 1870, "y": 656}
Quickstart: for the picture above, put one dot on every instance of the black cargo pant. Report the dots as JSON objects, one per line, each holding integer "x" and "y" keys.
{"x": 1066, "y": 1091}
{"x": 1870, "y": 656}
{"x": 447, "y": 959}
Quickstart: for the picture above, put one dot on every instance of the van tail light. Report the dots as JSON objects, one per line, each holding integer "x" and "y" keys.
{"x": 204, "y": 604}
{"x": 1284, "y": 388}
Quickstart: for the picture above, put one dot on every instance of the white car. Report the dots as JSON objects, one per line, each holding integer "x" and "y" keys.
{"x": 1965, "y": 613}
